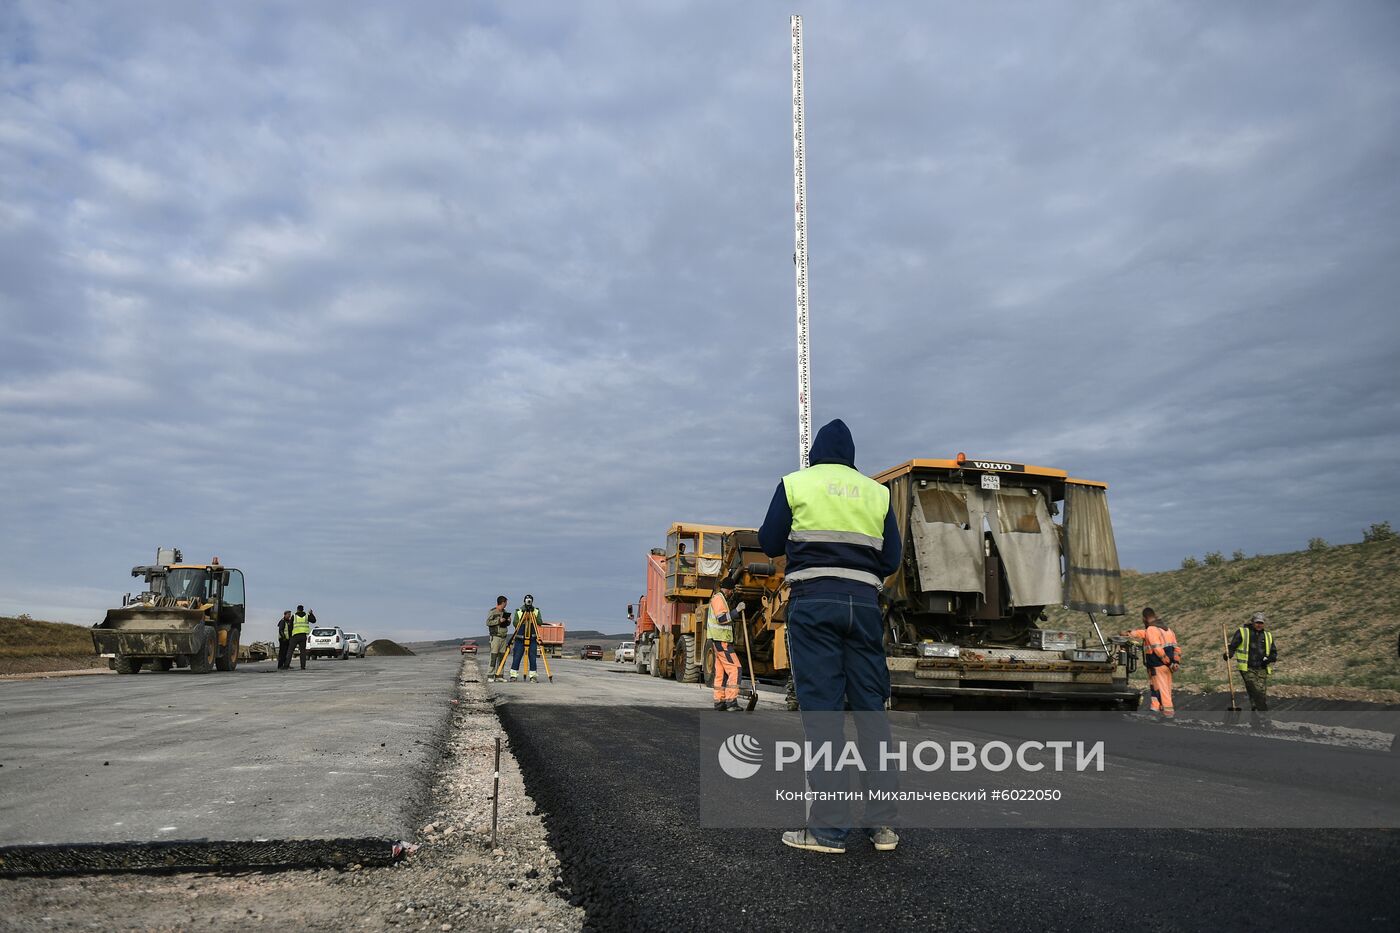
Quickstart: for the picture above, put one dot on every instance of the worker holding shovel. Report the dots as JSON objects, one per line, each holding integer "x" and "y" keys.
{"x": 1252, "y": 649}
{"x": 720, "y": 632}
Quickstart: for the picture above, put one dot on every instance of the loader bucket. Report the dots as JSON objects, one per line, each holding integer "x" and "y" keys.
{"x": 164, "y": 632}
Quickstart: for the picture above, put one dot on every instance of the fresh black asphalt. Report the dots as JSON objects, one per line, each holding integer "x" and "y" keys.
{"x": 618, "y": 787}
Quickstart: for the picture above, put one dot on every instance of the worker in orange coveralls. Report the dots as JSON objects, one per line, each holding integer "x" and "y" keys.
{"x": 720, "y": 632}
{"x": 1163, "y": 657}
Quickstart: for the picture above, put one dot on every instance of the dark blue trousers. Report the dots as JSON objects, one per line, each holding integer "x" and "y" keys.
{"x": 838, "y": 660}
{"x": 519, "y": 652}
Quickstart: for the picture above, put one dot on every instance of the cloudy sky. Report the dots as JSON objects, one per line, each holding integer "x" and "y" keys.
{"x": 399, "y": 307}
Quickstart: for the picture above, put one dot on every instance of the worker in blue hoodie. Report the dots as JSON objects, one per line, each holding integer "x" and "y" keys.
{"x": 841, "y": 541}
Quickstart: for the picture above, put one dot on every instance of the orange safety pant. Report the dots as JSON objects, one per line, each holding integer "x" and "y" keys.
{"x": 726, "y": 672}
{"x": 1160, "y": 679}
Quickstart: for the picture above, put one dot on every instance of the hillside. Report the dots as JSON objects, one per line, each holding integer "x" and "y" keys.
{"x": 1335, "y": 614}
{"x": 28, "y": 645}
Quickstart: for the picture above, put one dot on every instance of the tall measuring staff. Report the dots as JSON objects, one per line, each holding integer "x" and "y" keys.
{"x": 799, "y": 196}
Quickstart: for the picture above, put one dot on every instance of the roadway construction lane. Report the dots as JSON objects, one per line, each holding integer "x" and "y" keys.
{"x": 343, "y": 750}
{"x": 609, "y": 758}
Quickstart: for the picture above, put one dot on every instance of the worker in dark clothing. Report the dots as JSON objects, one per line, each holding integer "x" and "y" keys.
{"x": 841, "y": 541}
{"x": 284, "y": 640}
{"x": 527, "y": 620}
{"x": 1252, "y": 648}
{"x": 301, "y": 628}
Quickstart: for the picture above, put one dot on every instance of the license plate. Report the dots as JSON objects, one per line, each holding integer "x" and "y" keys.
{"x": 991, "y": 481}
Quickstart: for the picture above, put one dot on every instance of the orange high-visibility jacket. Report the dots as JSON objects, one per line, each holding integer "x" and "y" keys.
{"x": 1159, "y": 645}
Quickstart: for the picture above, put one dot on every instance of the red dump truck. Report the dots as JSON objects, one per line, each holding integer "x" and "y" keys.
{"x": 551, "y": 638}
{"x": 653, "y": 620}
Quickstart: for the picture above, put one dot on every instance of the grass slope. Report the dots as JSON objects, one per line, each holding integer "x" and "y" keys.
{"x": 1334, "y": 613}
{"x": 28, "y": 645}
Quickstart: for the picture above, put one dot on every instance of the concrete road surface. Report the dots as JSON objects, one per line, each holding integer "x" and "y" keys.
{"x": 610, "y": 758}
{"x": 344, "y": 749}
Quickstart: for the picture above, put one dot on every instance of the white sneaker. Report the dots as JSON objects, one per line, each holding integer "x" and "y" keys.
{"x": 803, "y": 839}
{"x": 883, "y": 838}
{"x": 533, "y": 677}
{"x": 514, "y": 676}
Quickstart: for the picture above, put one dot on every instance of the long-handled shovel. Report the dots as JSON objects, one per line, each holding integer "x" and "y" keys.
{"x": 753, "y": 680}
{"x": 1225, "y": 640}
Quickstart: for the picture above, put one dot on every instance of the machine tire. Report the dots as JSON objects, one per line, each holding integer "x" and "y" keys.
{"x": 694, "y": 664}
{"x": 230, "y": 659}
{"x": 128, "y": 665}
{"x": 707, "y": 663}
{"x": 203, "y": 662}
{"x": 162, "y": 664}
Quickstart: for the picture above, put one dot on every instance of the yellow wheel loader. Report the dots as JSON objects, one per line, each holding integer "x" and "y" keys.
{"x": 191, "y": 615}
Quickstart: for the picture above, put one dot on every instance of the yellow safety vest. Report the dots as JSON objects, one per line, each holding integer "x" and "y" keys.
{"x": 1242, "y": 652}
{"x": 301, "y": 625}
{"x": 833, "y": 504}
{"x": 715, "y": 630}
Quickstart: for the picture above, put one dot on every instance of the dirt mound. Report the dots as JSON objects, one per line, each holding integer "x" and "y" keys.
{"x": 31, "y": 645}
{"x": 383, "y": 647}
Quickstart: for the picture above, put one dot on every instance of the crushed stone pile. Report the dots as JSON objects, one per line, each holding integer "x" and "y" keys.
{"x": 383, "y": 647}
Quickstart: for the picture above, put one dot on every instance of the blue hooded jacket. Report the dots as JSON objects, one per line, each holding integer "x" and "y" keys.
{"x": 833, "y": 444}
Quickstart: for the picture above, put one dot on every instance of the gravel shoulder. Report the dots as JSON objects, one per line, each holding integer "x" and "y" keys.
{"x": 454, "y": 880}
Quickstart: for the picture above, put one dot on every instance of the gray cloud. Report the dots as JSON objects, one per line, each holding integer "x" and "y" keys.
{"x": 401, "y": 310}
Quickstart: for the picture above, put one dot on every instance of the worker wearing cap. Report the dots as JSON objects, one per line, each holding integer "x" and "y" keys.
{"x": 498, "y": 625}
{"x": 301, "y": 628}
{"x": 841, "y": 541}
{"x": 720, "y": 633}
{"x": 1162, "y": 656}
{"x": 1252, "y": 648}
{"x": 527, "y": 619}
{"x": 284, "y": 640}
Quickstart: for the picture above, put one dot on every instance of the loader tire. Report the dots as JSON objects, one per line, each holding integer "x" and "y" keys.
{"x": 162, "y": 664}
{"x": 229, "y": 659}
{"x": 203, "y": 662}
{"x": 128, "y": 666}
{"x": 694, "y": 671}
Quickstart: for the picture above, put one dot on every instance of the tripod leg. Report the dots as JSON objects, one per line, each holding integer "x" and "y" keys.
{"x": 544, "y": 659}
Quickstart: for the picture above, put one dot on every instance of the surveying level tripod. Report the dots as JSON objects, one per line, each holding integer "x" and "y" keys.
{"x": 529, "y": 631}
